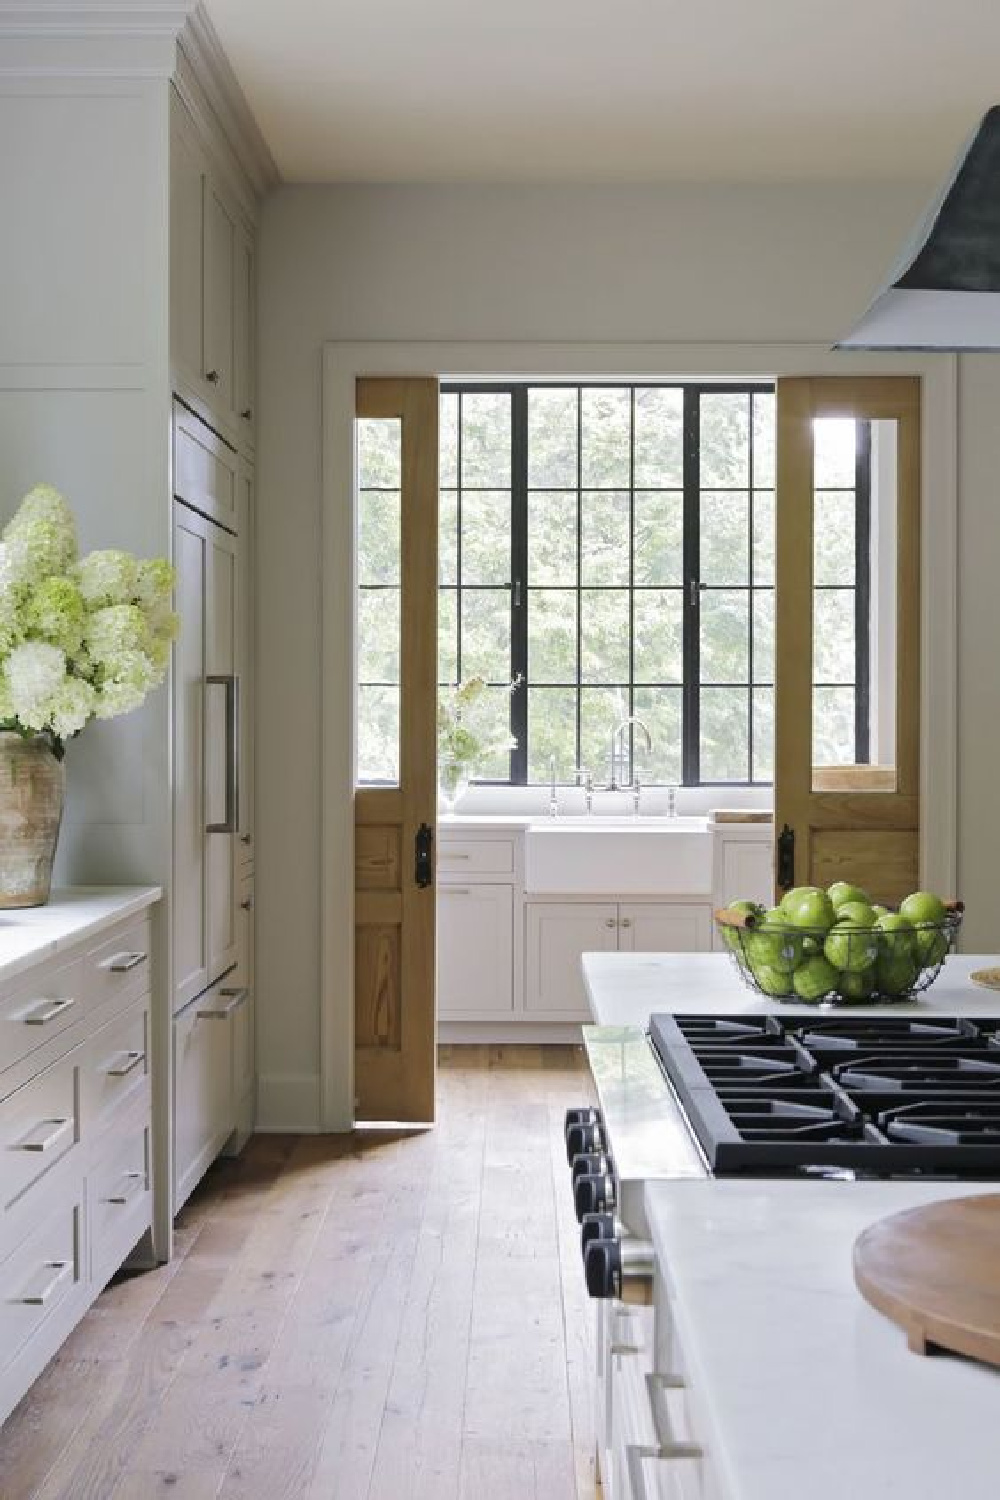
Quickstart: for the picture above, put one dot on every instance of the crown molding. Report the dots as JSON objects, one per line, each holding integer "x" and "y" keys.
{"x": 86, "y": 18}
{"x": 210, "y": 69}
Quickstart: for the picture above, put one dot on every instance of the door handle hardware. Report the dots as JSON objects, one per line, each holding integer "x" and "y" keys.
{"x": 454, "y": 890}
{"x": 123, "y": 963}
{"x": 246, "y": 904}
{"x": 212, "y": 376}
{"x": 611, "y": 922}
{"x": 231, "y": 683}
{"x": 247, "y": 414}
{"x": 234, "y": 999}
{"x": 34, "y": 1141}
{"x": 626, "y": 921}
{"x": 129, "y": 1062}
{"x": 133, "y": 1183}
{"x": 38, "y": 1296}
{"x": 47, "y": 1011}
{"x": 423, "y": 856}
{"x": 786, "y": 858}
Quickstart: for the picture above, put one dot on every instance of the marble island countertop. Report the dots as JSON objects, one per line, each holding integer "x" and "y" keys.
{"x": 38, "y": 932}
{"x": 808, "y": 1390}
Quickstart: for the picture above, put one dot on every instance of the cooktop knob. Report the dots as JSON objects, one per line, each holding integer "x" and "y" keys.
{"x": 584, "y": 1137}
{"x": 586, "y": 1114}
{"x": 594, "y": 1194}
{"x": 596, "y": 1227}
{"x": 590, "y": 1163}
{"x": 602, "y": 1268}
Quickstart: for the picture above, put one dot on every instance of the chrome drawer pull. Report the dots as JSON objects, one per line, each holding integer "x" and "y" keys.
{"x": 235, "y": 998}
{"x": 454, "y": 890}
{"x": 39, "y": 1297}
{"x": 47, "y": 1011}
{"x": 445, "y": 855}
{"x": 130, "y": 1061}
{"x": 123, "y": 963}
{"x": 36, "y": 1142}
{"x": 128, "y": 1191}
{"x": 636, "y": 1453}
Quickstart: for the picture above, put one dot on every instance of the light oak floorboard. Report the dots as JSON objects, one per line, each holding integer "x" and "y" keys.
{"x": 382, "y": 1316}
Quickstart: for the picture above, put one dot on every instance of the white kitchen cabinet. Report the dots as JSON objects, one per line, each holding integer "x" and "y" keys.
{"x": 246, "y": 614}
{"x": 744, "y": 868}
{"x": 240, "y": 985}
{"x": 557, "y": 934}
{"x": 206, "y": 754}
{"x": 220, "y": 298}
{"x": 245, "y": 331}
{"x": 204, "y": 1115}
{"x": 664, "y": 927}
{"x": 475, "y": 951}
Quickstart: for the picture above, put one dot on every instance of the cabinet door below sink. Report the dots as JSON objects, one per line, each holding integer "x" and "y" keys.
{"x": 664, "y": 927}
{"x": 475, "y": 951}
{"x": 557, "y": 936}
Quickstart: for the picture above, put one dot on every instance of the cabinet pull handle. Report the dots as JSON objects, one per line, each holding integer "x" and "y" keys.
{"x": 37, "y": 1297}
{"x": 47, "y": 1011}
{"x": 247, "y": 903}
{"x": 231, "y": 682}
{"x": 635, "y": 1453}
{"x": 212, "y": 376}
{"x": 37, "y": 1142}
{"x": 246, "y": 838}
{"x": 128, "y": 1189}
{"x": 129, "y": 1062}
{"x": 454, "y": 890}
{"x": 449, "y": 857}
{"x": 626, "y": 921}
{"x": 234, "y": 999}
{"x": 611, "y": 922}
{"x": 247, "y": 414}
{"x": 124, "y": 963}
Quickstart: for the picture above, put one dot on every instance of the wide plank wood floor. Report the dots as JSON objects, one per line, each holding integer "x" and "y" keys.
{"x": 373, "y": 1317}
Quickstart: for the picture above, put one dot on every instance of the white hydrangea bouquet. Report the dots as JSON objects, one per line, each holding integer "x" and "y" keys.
{"x": 81, "y": 638}
{"x": 464, "y": 737}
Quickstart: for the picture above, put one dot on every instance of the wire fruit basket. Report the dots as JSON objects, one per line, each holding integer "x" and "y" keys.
{"x": 842, "y": 965}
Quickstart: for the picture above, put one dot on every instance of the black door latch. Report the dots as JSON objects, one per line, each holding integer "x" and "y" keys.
{"x": 423, "y": 871}
{"x": 786, "y": 858}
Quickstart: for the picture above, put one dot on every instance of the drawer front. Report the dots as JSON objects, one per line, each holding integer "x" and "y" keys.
{"x": 115, "y": 1069}
{"x": 118, "y": 968}
{"x": 203, "y": 1109}
{"x": 40, "y": 1275}
{"x": 38, "y": 1008}
{"x": 462, "y": 857}
{"x": 120, "y": 1199}
{"x": 39, "y": 1125}
{"x": 204, "y": 469}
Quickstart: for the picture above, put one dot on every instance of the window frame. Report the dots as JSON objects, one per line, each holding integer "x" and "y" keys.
{"x": 691, "y": 588}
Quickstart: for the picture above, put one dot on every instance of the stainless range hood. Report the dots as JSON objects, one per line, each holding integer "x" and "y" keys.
{"x": 944, "y": 292}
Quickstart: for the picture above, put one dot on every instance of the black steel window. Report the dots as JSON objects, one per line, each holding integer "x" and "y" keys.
{"x": 613, "y": 544}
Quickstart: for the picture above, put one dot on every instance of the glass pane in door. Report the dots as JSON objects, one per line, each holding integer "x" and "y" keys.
{"x": 378, "y": 601}
{"x": 854, "y": 605}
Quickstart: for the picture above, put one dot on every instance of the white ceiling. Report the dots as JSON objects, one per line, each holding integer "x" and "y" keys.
{"x": 612, "y": 90}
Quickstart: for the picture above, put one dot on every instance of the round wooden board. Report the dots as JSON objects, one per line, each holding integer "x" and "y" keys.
{"x": 936, "y": 1272}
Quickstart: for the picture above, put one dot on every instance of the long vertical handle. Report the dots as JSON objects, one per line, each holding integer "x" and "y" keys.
{"x": 231, "y": 682}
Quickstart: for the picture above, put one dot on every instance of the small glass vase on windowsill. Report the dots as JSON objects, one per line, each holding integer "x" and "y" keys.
{"x": 453, "y": 782}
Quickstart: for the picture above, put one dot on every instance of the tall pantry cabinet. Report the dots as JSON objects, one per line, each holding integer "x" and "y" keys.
{"x": 213, "y": 375}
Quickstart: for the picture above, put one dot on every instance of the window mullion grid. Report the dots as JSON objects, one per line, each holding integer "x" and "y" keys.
{"x": 631, "y": 582}
{"x": 751, "y": 597}
{"x": 458, "y": 539}
{"x": 690, "y": 711}
{"x": 519, "y": 582}
{"x": 862, "y": 593}
{"x": 579, "y": 578}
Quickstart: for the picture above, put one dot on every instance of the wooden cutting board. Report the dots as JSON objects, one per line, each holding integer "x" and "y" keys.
{"x": 936, "y": 1272}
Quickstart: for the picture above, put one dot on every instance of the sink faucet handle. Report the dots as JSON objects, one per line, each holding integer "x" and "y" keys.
{"x": 636, "y": 793}
{"x": 585, "y": 779}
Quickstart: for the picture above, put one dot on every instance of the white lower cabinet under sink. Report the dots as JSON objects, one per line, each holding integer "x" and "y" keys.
{"x": 475, "y": 950}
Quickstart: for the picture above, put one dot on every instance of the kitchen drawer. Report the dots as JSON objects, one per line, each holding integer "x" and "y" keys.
{"x": 118, "y": 968}
{"x": 119, "y": 1198}
{"x": 40, "y": 1276}
{"x": 205, "y": 469}
{"x": 37, "y": 1008}
{"x": 115, "y": 1069}
{"x": 203, "y": 1087}
{"x": 464, "y": 857}
{"x": 39, "y": 1125}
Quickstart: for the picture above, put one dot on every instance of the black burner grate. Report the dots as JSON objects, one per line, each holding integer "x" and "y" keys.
{"x": 884, "y": 1096}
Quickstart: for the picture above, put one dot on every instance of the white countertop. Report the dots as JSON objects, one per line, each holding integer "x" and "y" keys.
{"x": 808, "y": 1391}
{"x": 39, "y": 932}
{"x": 625, "y": 989}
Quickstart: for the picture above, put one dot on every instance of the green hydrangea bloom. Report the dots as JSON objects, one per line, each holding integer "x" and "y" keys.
{"x": 108, "y": 577}
{"x": 55, "y": 611}
{"x": 41, "y": 535}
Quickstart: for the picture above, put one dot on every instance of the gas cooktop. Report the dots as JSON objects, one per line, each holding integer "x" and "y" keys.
{"x": 885, "y": 1096}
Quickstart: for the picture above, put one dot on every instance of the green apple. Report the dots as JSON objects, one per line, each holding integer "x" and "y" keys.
{"x": 880, "y": 911}
{"x": 841, "y": 892}
{"x": 931, "y": 946}
{"x": 923, "y": 907}
{"x": 813, "y": 909}
{"x": 857, "y": 986}
{"x": 810, "y": 947}
{"x": 731, "y": 936}
{"x": 814, "y": 979}
{"x": 897, "y": 934}
{"x": 774, "y": 982}
{"x": 851, "y": 947}
{"x": 793, "y": 897}
{"x": 773, "y": 944}
{"x": 895, "y": 973}
{"x": 858, "y": 912}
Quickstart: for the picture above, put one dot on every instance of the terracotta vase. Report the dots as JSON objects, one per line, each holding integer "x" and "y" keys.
{"x": 32, "y": 784}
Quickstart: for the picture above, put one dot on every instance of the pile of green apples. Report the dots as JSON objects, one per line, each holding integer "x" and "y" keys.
{"x": 838, "y": 942}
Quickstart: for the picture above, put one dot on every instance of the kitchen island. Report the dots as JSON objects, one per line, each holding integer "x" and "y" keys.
{"x": 757, "y": 1371}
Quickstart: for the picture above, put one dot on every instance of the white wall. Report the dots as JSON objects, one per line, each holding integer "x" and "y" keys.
{"x": 83, "y": 393}
{"x": 684, "y": 264}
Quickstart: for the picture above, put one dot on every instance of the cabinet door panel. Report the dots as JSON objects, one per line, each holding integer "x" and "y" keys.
{"x": 220, "y": 260}
{"x": 245, "y": 332}
{"x": 221, "y": 665}
{"x": 187, "y": 235}
{"x": 475, "y": 950}
{"x": 662, "y": 927}
{"x": 557, "y": 937}
{"x": 203, "y": 1104}
{"x": 190, "y": 938}
{"x": 245, "y": 665}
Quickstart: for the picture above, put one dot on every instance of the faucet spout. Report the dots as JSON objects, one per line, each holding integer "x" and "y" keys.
{"x": 618, "y": 752}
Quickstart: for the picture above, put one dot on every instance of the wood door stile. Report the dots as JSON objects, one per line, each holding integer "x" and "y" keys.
{"x": 394, "y": 959}
{"x": 859, "y": 823}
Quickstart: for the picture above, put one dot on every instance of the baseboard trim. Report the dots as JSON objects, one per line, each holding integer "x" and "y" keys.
{"x": 288, "y": 1103}
{"x": 510, "y": 1033}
